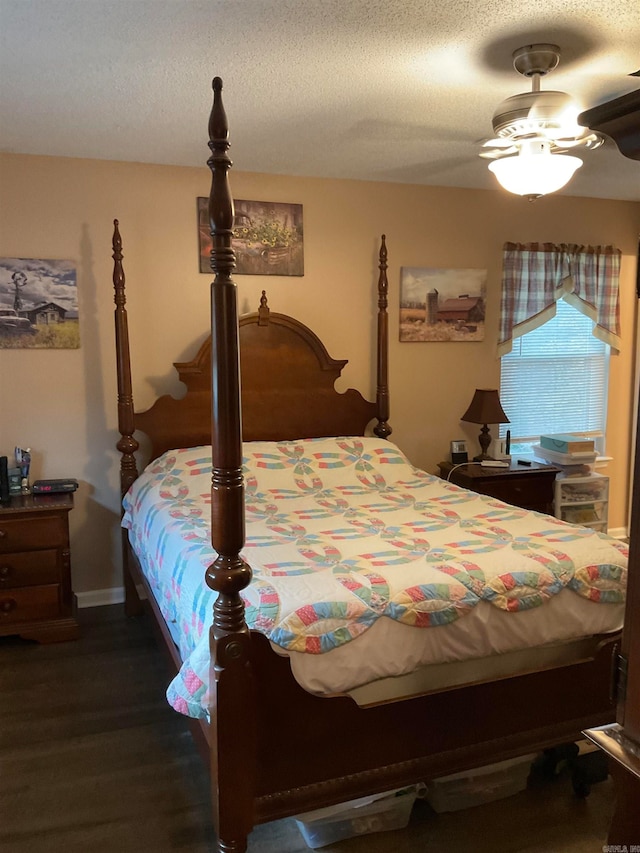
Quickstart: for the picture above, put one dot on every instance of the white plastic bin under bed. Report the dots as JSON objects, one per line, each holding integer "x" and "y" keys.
{"x": 377, "y": 813}
{"x": 482, "y": 785}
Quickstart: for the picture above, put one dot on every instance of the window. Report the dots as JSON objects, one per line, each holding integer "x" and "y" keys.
{"x": 555, "y": 380}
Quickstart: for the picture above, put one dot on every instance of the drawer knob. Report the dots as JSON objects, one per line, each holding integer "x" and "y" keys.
{"x": 5, "y": 573}
{"x": 3, "y": 533}
{"x": 7, "y": 605}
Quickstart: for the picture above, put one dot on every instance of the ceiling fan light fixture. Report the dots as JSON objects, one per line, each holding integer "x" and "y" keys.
{"x": 533, "y": 130}
{"x": 535, "y": 171}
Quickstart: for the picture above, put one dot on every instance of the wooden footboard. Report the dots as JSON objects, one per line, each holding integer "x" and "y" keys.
{"x": 343, "y": 751}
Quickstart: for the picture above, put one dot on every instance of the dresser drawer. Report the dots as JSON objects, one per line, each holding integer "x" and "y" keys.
{"x": 527, "y": 492}
{"x": 26, "y": 605}
{"x": 36, "y": 596}
{"x": 25, "y": 534}
{"x": 30, "y": 568}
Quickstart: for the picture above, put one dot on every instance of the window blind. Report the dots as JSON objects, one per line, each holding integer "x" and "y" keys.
{"x": 555, "y": 380}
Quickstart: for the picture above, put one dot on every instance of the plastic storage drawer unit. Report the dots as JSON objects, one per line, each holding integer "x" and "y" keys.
{"x": 583, "y": 500}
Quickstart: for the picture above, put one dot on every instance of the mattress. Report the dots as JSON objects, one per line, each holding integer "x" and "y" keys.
{"x": 366, "y": 569}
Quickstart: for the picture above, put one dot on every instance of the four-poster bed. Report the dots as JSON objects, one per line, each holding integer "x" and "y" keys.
{"x": 275, "y": 748}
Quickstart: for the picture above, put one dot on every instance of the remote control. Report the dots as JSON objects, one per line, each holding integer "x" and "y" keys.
{"x": 494, "y": 463}
{"x": 50, "y": 487}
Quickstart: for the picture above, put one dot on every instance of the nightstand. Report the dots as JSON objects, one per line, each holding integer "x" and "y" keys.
{"x": 36, "y": 600}
{"x": 529, "y": 487}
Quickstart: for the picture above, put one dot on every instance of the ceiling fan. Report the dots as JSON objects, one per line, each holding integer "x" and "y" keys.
{"x": 532, "y": 128}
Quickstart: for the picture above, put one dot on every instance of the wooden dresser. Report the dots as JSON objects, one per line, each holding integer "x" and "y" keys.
{"x": 36, "y": 599}
{"x": 526, "y": 486}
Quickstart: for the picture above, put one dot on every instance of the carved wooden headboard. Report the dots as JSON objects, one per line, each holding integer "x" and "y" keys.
{"x": 288, "y": 383}
{"x": 288, "y": 391}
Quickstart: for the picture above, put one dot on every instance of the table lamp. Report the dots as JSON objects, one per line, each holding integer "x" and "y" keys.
{"x": 485, "y": 409}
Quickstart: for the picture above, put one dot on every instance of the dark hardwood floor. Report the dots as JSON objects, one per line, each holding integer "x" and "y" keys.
{"x": 93, "y": 760}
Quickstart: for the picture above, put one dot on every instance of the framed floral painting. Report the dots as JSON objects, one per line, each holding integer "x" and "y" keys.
{"x": 267, "y": 238}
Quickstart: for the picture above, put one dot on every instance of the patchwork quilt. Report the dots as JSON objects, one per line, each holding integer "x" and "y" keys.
{"x": 342, "y": 532}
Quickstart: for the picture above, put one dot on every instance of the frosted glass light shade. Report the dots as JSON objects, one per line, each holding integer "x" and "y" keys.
{"x": 535, "y": 171}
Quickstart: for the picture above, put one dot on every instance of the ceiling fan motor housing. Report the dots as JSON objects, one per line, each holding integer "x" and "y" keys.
{"x": 536, "y": 59}
{"x": 530, "y": 112}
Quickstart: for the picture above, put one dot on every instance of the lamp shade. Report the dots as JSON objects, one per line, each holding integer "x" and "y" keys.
{"x": 535, "y": 171}
{"x": 485, "y": 408}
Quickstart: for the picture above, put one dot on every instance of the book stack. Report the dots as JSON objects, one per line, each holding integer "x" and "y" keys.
{"x": 574, "y": 455}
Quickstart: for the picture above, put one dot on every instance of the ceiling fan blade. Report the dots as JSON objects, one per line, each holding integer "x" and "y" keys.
{"x": 496, "y": 153}
{"x": 617, "y": 119}
{"x": 497, "y": 142}
{"x": 590, "y": 140}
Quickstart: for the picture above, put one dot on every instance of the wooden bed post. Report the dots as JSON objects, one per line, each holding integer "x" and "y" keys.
{"x": 127, "y": 445}
{"x": 231, "y": 704}
{"x": 382, "y": 429}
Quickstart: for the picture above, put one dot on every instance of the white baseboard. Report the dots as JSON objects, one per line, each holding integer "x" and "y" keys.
{"x": 618, "y": 532}
{"x": 99, "y": 597}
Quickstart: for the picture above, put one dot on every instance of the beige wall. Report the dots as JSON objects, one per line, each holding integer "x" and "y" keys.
{"x": 63, "y": 403}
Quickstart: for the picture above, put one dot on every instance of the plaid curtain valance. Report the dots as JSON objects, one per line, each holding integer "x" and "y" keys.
{"x": 536, "y": 275}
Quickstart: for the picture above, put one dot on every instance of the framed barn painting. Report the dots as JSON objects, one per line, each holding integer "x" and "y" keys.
{"x": 38, "y": 304}
{"x": 267, "y": 238}
{"x": 442, "y": 304}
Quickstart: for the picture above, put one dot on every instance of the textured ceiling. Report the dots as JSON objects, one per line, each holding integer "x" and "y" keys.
{"x": 376, "y": 90}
